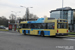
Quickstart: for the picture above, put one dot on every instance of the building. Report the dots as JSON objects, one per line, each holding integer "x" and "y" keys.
{"x": 68, "y": 13}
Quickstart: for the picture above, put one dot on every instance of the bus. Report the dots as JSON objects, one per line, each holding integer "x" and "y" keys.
{"x": 44, "y": 27}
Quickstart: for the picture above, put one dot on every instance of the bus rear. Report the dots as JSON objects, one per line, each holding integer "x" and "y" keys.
{"x": 62, "y": 27}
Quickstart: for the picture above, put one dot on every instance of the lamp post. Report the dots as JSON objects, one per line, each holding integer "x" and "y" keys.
{"x": 16, "y": 15}
{"x": 62, "y": 9}
{"x": 26, "y": 10}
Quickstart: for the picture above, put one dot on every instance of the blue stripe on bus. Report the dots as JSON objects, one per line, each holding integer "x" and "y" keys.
{"x": 39, "y": 32}
{"x": 31, "y": 29}
{"x": 27, "y": 31}
{"x": 45, "y": 33}
{"x": 40, "y": 20}
{"x": 22, "y": 31}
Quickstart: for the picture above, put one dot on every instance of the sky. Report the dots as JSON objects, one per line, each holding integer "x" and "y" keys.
{"x": 40, "y": 8}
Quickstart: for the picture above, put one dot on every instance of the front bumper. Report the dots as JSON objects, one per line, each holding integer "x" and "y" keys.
{"x": 61, "y": 34}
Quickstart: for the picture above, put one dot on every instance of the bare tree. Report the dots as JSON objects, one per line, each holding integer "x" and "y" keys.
{"x": 12, "y": 17}
{"x": 18, "y": 18}
{"x": 45, "y": 16}
{"x": 3, "y": 21}
{"x": 27, "y": 13}
{"x": 31, "y": 16}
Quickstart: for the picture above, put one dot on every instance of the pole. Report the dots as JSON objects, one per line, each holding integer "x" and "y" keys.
{"x": 27, "y": 9}
{"x": 26, "y": 14}
{"x": 62, "y": 9}
{"x": 15, "y": 17}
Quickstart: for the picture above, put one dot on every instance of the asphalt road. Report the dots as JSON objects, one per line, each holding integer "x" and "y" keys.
{"x": 16, "y": 41}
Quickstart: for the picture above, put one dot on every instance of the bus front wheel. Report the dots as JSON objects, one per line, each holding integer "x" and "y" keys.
{"x": 24, "y": 32}
{"x": 42, "y": 34}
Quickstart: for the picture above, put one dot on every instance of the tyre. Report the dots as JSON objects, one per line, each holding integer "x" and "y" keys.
{"x": 24, "y": 32}
{"x": 42, "y": 34}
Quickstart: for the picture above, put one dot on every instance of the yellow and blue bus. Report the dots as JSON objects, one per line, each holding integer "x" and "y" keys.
{"x": 44, "y": 27}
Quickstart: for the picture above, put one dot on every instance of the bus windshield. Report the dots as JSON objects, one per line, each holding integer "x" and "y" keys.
{"x": 62, "y": 25}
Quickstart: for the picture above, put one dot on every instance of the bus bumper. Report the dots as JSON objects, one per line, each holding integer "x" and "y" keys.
{"x": 61, "y": 34}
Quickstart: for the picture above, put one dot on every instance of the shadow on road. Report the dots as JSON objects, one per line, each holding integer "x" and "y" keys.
{"x": 58, "y": 37}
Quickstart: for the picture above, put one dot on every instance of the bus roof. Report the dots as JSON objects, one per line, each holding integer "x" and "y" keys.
{"x": 40, "y": 20}
{"x": 61, "y": 19}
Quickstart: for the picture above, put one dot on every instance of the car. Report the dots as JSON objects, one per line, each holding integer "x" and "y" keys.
{"x": 2, "y": 27}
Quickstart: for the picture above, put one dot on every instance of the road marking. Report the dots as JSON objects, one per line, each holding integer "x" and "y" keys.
{"x": 70, "y": 39}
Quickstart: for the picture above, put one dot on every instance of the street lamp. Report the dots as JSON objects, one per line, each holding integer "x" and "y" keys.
{"x": 26, "y": 9}
{"x": 16, "y": 15}
{"x": 62, "y": 9}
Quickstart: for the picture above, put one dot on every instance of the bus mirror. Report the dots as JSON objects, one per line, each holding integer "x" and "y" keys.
{"x": 19, "y": 27}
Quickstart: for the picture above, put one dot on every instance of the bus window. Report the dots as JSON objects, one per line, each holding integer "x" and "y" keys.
{"x": 23, "y": 25}
{"x": 32, "y": 26}
{"x": 50, "y": 26}
{"x": 36, "y": 26}
{"x": 42, "y": 25}
{"x": 62, "y": 25}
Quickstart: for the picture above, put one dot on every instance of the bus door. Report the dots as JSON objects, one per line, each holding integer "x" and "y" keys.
{"x": 51, "y": 28}
{"x": 32, "y": 29}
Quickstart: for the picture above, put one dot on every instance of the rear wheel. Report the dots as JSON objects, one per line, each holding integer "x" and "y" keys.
{"x": 24, "y": 32}
{"x": 42, "y": 34}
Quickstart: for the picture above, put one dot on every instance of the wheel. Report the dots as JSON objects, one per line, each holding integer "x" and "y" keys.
{"x": 24, "y": 32}
{"x": 42, "y": 34}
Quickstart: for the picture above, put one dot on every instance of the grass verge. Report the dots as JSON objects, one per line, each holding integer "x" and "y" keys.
{"x": 3, "y": 30}
{"x": 71, "y": 33}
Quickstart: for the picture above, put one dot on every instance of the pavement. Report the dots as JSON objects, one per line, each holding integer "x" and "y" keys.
{"x": 16, "y": 41}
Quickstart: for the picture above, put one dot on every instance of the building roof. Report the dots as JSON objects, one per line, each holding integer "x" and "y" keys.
{"x": 64, "y": 9}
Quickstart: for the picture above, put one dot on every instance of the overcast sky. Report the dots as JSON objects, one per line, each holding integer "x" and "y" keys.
{"x": 40, "y": 7}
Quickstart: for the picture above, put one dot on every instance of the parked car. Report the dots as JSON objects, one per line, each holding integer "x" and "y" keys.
{"x": 2, "y": 27}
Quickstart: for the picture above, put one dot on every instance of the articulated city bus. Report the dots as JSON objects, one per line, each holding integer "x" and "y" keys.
{"x": 44, "y": 27}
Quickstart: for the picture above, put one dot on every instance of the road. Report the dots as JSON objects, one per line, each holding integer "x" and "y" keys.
{"x": 16, "y": 41}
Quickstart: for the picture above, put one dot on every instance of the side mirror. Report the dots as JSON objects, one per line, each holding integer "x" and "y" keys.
{"x": 19, "y": 28}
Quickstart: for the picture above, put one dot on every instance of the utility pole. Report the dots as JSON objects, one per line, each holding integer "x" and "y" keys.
{"x": 62, "y": 9}
{"x": 15, "y": 15}
{"x": 27, "y": 11}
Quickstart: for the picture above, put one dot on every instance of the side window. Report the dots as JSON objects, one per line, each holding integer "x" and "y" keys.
{"x": 23, "y": 26}
{"x": 39, "y": 26}
{"x": 32, "y": 25}
{"x": 26, "y": 25}
{"x": 29, "y": 25}
{"x": 36, "y": 26}
{"x": 50, "y": 26}
{"x": 43, "y": 25}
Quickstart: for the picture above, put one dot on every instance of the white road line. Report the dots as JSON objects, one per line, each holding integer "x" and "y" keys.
{"x": 70, "y": 39}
